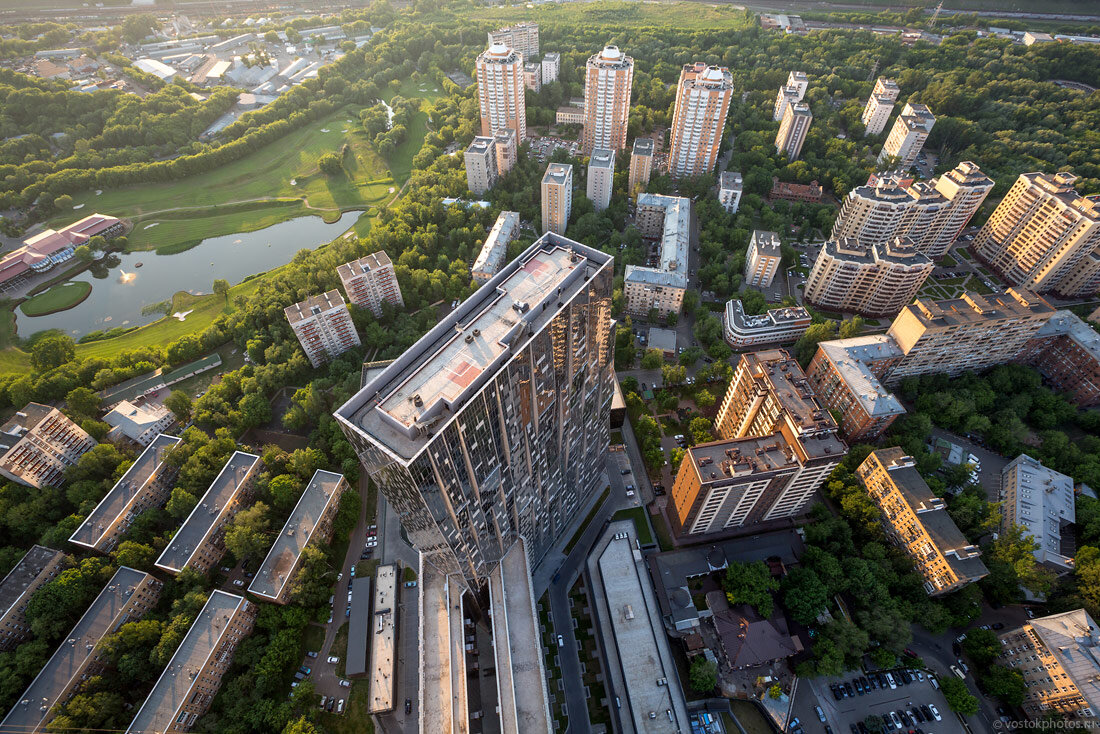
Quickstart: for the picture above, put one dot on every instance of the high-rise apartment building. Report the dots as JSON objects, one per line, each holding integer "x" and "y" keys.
{"x": 1059, "y": 658}
{"x": 1041, "y": 236}
{"x": 871, "y": 280}
{"x": 188, "y": 685}
{"x": 38, "y": 444}
{"x": 778, "y": 445}
{"x": 908, "y": 134}
{"x": 601, "y": 177}
{"x": 495, "y": 424}
{"x": 557, "y": 197}
{"x": 1066, "y": 351}
{"x": 200, "y": 541}
{"x": 370, "y": 281}
{"x": 917, "y": 521}
{"x": 37, "y": 568}
{"x": 126, "y": 598}
{"x": 608, "y": 77}
{"x": 532, "y": 77}
{"x": 799, "y": 81}
{"x": 847, "y": 375}
{"x": 931, "y": 214}
{"x": 641, "y": 164}
{"x": 879, "y": 105}
{"x": 702, "y": 101}
{"x": 793, "y": 130}
{"x": 500, "y": 90}
{"x": 506, "y": 149}
{"x": 972, "y": 333}
{"x": 730, "y": 187}
{"x": 793, "y": 91}
{"x": 481, "y": 164}
{"x": 551, "y": 67}
{"x": 491, "y": 257}
{"x": 323, "y": 326}
{"x": 523, "y": 37}
{"x": 1041, "y": 501}
{"x": 763, "y": 258}
{"x": 661, "y": 287}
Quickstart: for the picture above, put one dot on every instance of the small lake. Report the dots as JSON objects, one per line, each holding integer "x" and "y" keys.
{"x": 118, "y": 298}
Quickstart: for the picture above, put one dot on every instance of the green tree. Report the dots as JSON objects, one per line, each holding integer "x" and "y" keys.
{"x": 83, "y": 253}
{"x": 246, "y": 536}
{"x": 300, "y": 726}
{"x": 180, "y": 503}
{"x": 775, "y": 691}
{"x": 752, "y": 584}
{"x": 134, "y": 555}
{"x": 982, "y": 646}
{"x": 701, "y": 429}
{"x": 703, "y": 675}
{"x": 285, "y": 490}
{"x": 653, "y": 359}
{"x": 704, "y": 398}
{"x": 330, "y": 164}
{"x": 1017, "y": 549}
{"x": 83, "y": 402}
{"x": 63, "y": 203}
{"x": 1005, "y": 684}
{"x": 221, "y": 288}
{"x": 52, "y": 351}
{"x": 804, "y": 595}
{"x": 806, "y": 346}
{"x": 179, "y": 403}
{"x": 959, "y": 698}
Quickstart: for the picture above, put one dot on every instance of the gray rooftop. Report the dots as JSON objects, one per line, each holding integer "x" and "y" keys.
{"x": 917, "y": 117}
{"x": 850, "y": 357}
{"x": 204, "y": 517}
{"x": 496, "y": 245}
{"x": 442, "y": 656}
{"x": 278, "y": 567}
{"x": 450, "y": 363}
{"x": 20, "y": 578}
{"x": 355, "y": 660}
{"x": 1073, "y": 639}
{"x": 730, "y": 181}
{"x": 558, "y": 173}
{"x": 314, "y": 306}
{"x": 786, "y": 316}
{"x": 1067, "y": 323}
{"x": 766, "y": 243}
{"x": 643, "y": 146}
{"x": 1043, "y": 506}
{"x": 675, "y": 239}
{"x": 17, "y": 426}
{"x": 174, "y": 686}
{"x": 103, "y": 617}
{"x": 122, "y": 496}
{"x": 601, "y": 158}
{"x": 365, "y": 264}
{"x": 663, "y": 339}
{"x": 383, "y": 631}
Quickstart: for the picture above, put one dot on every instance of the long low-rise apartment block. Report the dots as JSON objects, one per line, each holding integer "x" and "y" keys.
{"x": 777, "y": 326}
{"x": 38, "y": 444}
{"x": 383, "y": 637}
{"x": 661, "y": 287}
{"x": 491, "y": 258}
{"x": 917, "y": 522}
{"x": 187, "y": 686}
{"x": 198, "y": 543}
{"x": 146, "y": 484}
{"x": 310, "y": 522}
{"x": 127, "y": 597}
{"x": 36, "y": 569}
{"x": 1041, "y": 501}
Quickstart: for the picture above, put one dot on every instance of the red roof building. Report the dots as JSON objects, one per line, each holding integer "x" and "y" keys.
{"x": 796, "y": 192}
{"x": 50, "y": 247}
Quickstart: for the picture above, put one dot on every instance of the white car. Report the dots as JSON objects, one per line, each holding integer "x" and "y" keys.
{"x": 345, "y": 683}
{"x": 933, "y": 680}
{"x": 238, "y": 582}
{"x": 890, "y": 680}
{"x": 333, "y": 659}
{"x": 630, "y": 493}
{"x": 561, "y": 641}
{"x": 935, "y": 711}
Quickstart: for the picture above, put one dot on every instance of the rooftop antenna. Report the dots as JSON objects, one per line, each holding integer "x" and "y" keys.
{"x": 874, "y": 70}
{"x": 936, "y": 14}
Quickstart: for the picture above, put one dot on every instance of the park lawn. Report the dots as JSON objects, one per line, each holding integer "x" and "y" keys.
{"x": 690, "y": 16}
{"x": 58, "y": 298}
{"x": 178, "y": 231}
{"x": 641, "y": 525}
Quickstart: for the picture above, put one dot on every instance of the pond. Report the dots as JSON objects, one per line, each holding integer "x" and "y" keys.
{"x": 122, "y": 290}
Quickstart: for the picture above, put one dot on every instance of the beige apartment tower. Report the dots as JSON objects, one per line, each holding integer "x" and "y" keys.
{"x": 481, "y": 164}
{"x": 500, "y": 90}
{"x": 1042, "y": 234}
{"x": 608, "y": 77}
{"x": 641, "y": 164}
{"x": 908, "y": 134}
{"x": 523, "y": 37}
{"x": 871, "y": 280}
{"x": 702, "y": 101}
{"x": 505, "y": 148}
{"x": 601, "y": 177}
{"x": 793, "y": 130}
{"x": 557, "y": 197}
{"x": 917, "y": 522}
{"x": 793, "y": 91}
{"x": 370, "y": 282}
{"x": 323, "y": 326}
{"x": 762, "y": 259}
{"x": 879, "y": 105}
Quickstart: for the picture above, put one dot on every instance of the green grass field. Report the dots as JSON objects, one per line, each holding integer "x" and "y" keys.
{"x": 58, "y": 298}
{"x": 684, "y": 15}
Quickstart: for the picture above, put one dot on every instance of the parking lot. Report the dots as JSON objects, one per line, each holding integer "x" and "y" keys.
{"x": 851, "y": 710}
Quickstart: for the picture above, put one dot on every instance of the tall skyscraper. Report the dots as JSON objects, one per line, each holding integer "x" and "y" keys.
{"x": 872, "y": 280}
{"x": 608, "y": 77}
{"x": 323, "y": 326}
{"x": 500, "y": 90}
{"x": 481, "y": 165}
{"x": 370, "y": 281}
{"x": 601, "y": 177}
{"x": 1041, "y": 236}
{"x": 966, "y": 187}
{"x": 793, "y": 129}
{"x": 702, "y": 101}
{"x": 879, "y": 105}
{"x": 641, "y": 163}
{"x": 495, "y": 424}
{"x": 557, "y": 197}
{"x": 908, "y": 134}
{"x": 523, "y": 37}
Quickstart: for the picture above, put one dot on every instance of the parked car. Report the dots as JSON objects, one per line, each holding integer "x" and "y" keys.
{"x": 333, "y": 659}
{"x": 311, "y": 654}
{"x": 408, "y": 706}
{"x": 324, "y": 700}
{"x": 956, "y": 671}
{"x": 890, "y": 681}
{"x": 820, "y": 714}
{"x": 935, "y": 712}
{"x": 238, "y": 582}
{"x": 340, "y": 706}
{"x": 561, "y": 641}
{"x": 410, "y": 584}
{"x": 934, "y": 681}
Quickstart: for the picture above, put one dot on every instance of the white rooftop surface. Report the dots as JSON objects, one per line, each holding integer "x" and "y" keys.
{"x": 173, "y": 688}
{"x": 640, "y": 643}
{"x": 517, "y": 647}
{"x": 477, "y": 343}
{"x": 118, "y": 501}
{"x": 1044, "y": 500}
{"x": 382, "y": 633}
{"x": 102, "y": 617}
{"x": 278, "y": 567}
{"x": 496, "y": 246}
{"x": 442, "y": 688}
{"x": 673, "y": 267}
{"x": 209, "y": 509}
{"x": 851, "y": 356}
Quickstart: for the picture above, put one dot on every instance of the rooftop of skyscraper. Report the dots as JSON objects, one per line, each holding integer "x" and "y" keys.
{"x": 403, "y": 406}
{"x": 557, "y": 173}
{"x": 643, "y": 146}
{"x": 479, "y": 145}
{"x": 611, "y": 58}
{"x": 974, "y": 308}
{"x": 782, "y": 377}
{"x": 917, "y": 116}
{"x": 601, "y": 158}
{"x": 314, "y": 305}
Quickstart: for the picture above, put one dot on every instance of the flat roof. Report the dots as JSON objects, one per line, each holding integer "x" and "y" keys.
{"x": 1072, "y": 638}
{"x": 20, "y": 578}
{"x": 788, "y": 317}
{"x": 479, "y": 145}
{"x": 784, "y": 379}
{"x": 601, "y": 158}
{"x": 365, "y": 264}
{"x": 314, "y": 306}
{"x": 643, "y": 146}
{"x": 730, "y": 181}
{"x": 383, "y": 631}
{"x": 206, "y": 513}
{"x": 103, "y": 617}
{"x": 492, "y": 253}
{"x": 278, "y": 567}
{"x": 173, "y": 688}
{"x": 675, "y": 236}
{"x": 1044, "y": 505}
{"x": 850, "y": 357}
{"x": 122, "y": 496}
{"x": 727, "y": 459}
{"x": 639, "y": 638}
{"x": 973, "y": 308}
{"x": 441, "y": 684}
{"x": 469, "y": 346}
{"x": 557, "y": 173}
{"x": 766, "y": 243}
{"x": 355, "y": 659}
